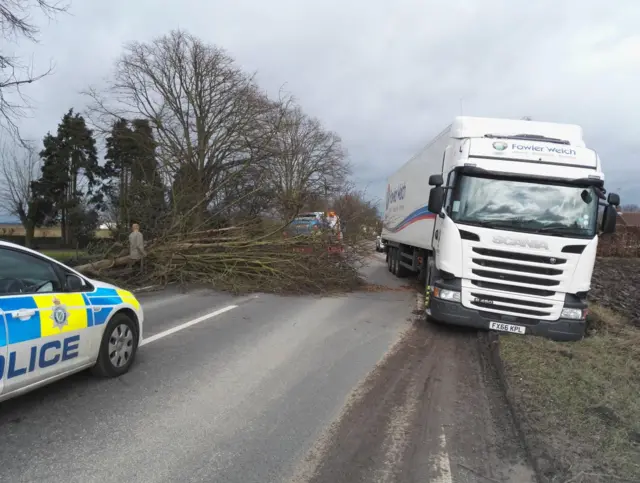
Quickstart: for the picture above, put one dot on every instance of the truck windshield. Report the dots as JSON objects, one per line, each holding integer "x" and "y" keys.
{"x": 533, "y": 207}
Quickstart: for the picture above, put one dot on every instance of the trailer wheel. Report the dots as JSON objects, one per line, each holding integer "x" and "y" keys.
{"x": 392, "y": 260}
{"x": 401, "y": 270}
{"x": 396, "y": 265}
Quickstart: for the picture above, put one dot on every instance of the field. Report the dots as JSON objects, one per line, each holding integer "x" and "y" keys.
{"x": 44, "y": 232}
{"x": 63, "y": 255}
{"x": 579, "y": 403}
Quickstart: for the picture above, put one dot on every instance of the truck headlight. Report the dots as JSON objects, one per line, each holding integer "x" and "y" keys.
{"x": 574, "y": 314}
{"x": 445, "y": 294}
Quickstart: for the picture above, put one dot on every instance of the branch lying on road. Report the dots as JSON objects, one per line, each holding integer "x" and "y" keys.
{"x": 240, "y": 261}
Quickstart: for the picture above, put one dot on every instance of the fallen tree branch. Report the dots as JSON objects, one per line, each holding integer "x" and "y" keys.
{"x": 231, "y": 259}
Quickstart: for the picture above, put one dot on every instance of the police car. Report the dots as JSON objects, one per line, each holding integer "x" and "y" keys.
{"x": 55, "y": 322}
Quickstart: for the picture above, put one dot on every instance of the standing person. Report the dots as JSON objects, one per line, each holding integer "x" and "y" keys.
{"x": 136, "y": 245}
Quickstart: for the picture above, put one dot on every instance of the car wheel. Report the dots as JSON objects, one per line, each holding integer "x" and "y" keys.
{"x": 118, "y": 348}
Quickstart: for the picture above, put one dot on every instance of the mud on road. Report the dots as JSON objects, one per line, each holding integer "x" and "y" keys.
{"x": 432, "y": 410}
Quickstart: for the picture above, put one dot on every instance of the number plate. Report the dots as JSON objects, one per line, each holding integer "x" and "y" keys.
{"x": 514, "y": 329}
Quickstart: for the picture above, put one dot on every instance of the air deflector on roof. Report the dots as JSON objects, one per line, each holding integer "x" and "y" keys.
{"x": 528, "y": 137}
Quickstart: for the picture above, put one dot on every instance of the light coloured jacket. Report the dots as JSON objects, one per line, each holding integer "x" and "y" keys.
{"x": 136, "y": 246}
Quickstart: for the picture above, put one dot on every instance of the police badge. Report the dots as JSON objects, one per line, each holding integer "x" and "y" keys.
{"x": 59, "y": 315}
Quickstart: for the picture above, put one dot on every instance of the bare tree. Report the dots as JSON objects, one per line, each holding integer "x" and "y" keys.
{"x": 14, "y": 73}
{"x": 308, "y": 162}
{"x": 357, "y": 212}
{"x": 209, "y": 117}
{"x": 20, "y": 168}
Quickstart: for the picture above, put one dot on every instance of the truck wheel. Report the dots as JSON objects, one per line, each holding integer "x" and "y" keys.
{"x": 429, "y": 278}
{"x": 389, "y": 259}
{"x": 394, "y": 262}
{"x": 401, "y": 271}
{"x": 118, "y": 348}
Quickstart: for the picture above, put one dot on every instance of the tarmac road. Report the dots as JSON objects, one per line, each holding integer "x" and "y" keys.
{"x": 267, "y": 389}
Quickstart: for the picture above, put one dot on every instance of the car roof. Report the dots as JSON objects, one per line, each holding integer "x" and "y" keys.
{"x": 14, "y": 245}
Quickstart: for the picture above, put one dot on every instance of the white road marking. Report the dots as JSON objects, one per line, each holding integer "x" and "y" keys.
{"x": 186, "y": 325}
{"x": 142, "y": 289}
{"x": 441, "y": 464}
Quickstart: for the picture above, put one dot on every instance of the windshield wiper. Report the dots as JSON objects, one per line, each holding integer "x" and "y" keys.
{"x": 508, "y": 223}
{"x": 486, "y": 224}
{"x": 560, "y": 227}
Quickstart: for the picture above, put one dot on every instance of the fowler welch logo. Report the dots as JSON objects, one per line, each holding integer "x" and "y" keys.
{"x": 502, "y": 146}
{"x": 396, "y": 194}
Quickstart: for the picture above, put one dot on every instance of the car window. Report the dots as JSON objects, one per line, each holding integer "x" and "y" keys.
{"x": 24, "y": 273}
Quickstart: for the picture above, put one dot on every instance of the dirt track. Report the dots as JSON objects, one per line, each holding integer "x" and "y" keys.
{"x": 432, "y": 410}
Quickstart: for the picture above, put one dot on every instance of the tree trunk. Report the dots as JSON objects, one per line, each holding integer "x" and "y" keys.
{"x": 65, "y": 229}
{"x": 102, "y": 265}
{"x": 29, "y": 234}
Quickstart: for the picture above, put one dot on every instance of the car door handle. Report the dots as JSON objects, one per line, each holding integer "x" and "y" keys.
{"x": 24, "y": 314}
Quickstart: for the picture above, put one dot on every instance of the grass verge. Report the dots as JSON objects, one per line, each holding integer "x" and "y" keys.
{"x": 63, "y": 255}
{"x": 579, "y": 403}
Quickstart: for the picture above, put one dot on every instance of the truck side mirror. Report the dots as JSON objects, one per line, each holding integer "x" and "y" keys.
{"x": 613, "y": 199}
{"x": 436, "y": 199}
{"x": 436, "y": 180}
{"x": 609, "y": 218}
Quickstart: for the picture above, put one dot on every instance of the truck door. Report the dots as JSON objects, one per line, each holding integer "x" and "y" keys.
{"x": 446, "y": 210}
{"x": 4, "y": 351}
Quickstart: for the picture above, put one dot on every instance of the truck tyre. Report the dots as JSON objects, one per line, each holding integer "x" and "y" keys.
{"x": 396, "y": 261}
{"x": 430, "y": 276}
{"x": 401, "y": 271}
{"x": 118, "y": 347}
{"x": 392, "y": 259}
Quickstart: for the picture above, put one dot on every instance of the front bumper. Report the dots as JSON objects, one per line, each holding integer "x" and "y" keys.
{"x": 450, "y": 312}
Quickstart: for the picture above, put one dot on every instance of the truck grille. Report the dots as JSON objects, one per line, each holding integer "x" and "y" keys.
{"x": 492, "y": 303}
{"x": 513, "y": 288}
{"x": 519, "y": 276}
{"x": 516, "y": 267}
{"x": 509, "y": 268}
{"x": 524, "y": 257}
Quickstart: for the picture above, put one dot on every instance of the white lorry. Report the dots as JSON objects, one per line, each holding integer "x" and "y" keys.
{"x": 506, "y": 237}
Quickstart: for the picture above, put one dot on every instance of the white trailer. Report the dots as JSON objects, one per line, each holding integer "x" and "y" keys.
{"x": 510, "y": 242}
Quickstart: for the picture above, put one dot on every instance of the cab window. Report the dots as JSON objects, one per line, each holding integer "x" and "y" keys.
{"x": 449, "y": 197}
{"x": 23, "y": 273}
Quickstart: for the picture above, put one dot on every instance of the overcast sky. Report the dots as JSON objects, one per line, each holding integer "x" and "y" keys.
{"x": 388, "y": 76}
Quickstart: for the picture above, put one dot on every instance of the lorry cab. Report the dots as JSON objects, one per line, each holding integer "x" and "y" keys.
{"x": 513, "y": 216}
{"x": 518, "y": 233}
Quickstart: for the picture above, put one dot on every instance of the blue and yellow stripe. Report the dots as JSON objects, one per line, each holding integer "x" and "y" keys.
{"x": 84, "y": 310}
